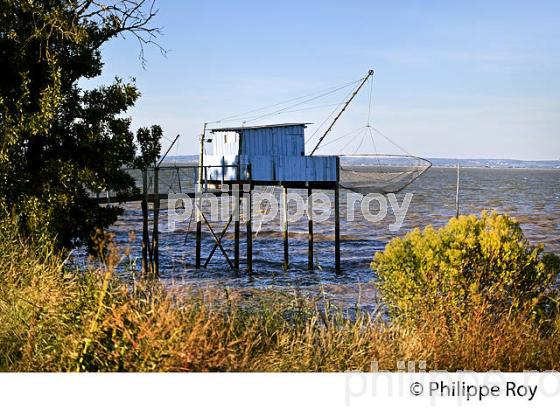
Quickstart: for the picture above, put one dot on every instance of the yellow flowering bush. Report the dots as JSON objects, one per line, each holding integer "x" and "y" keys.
{"x": 472, "y": 261}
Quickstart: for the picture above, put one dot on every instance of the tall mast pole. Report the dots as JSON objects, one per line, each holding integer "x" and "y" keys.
{"x": 201, "y": 154}
{"x": 198, "y": 199}
{"x": 369, "y": 74}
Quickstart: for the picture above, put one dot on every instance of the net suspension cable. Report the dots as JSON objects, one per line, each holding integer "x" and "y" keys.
{"x": 375, "y": 172}
{"x": 356, "y": 174}
{"x": 297, "y": 102}
{"x": 246, "y": 117}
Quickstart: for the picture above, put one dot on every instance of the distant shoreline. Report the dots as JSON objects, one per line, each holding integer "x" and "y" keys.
{"x": 498, "y": 168}
{"x": 494, "y": 163}
{"x": 447, "y": 163}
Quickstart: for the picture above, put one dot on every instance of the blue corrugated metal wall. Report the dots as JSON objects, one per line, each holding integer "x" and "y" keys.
{"x": 276, "y": 154}
{"x": 274, "y": 168}
{"x": 284, "y": 141}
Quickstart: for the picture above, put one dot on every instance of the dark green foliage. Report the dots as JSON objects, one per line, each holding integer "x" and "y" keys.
{"x": 149, "y": 145}
{"x": 59, "y": 142}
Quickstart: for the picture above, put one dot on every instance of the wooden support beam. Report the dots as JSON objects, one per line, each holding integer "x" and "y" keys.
{"x": 236, "y": 225}
{"x": 217, "y": 240}
{"x": 145, "y": 238}
{"x": 198, "y": 244}
{"x": 310, "y": 263}
{"x": 198, "y": 201}
{"x": 222, "y": 234}
{"x": 155, "y": 231}
{"x": 337, "y": 220}
{"x": 249, "y": 222}
{"x": 286, "y": 264}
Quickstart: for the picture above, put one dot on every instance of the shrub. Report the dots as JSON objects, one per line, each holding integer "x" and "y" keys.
{"x": 55, "y": 319}
{"x": 470, "y": 262}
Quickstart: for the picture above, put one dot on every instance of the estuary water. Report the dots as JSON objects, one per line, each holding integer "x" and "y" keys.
{"x": 532, "y": 196}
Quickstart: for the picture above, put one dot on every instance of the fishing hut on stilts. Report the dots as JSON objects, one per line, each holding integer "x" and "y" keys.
{"x": 274, "y": 156}
{"x": 264, "y": 156}
{"x": 244, "y": 158}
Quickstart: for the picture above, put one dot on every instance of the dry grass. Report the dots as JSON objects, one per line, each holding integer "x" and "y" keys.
{"x": 55, "y": 320}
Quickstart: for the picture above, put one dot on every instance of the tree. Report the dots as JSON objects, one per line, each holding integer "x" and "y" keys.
{"x": 59, "y": 142}
{"x": 149, "y": 146}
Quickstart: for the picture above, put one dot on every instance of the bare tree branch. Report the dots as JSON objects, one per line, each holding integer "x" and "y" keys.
{"x": 120, "y": 18}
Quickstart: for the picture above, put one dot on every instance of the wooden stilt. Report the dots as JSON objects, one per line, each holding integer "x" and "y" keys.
{"x": 337, "y": 220}
{"x": 249, "y": 221}
{"x": 198, "y": 200}
{"x": 285, "y": 227}
{"x": 235, "y": 197}
{"x": 145, "y": 221}
{"x": 198, "y": 242}
{"x": 310, "y": 264}
{"x": 155, "y": 231}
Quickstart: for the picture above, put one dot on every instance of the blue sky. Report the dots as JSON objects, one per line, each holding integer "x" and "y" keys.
{"x": 452, "y": 79}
